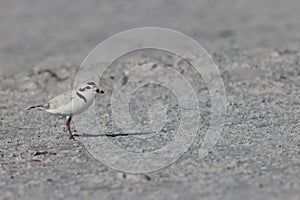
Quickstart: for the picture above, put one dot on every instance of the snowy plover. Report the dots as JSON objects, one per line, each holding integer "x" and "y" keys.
{"x": 71, "y": 103}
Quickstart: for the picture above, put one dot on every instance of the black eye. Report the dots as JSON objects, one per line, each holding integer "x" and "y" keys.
{"x": 88, "y": 87}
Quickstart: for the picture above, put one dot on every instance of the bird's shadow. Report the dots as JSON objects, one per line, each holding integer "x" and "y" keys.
{"x": 86, "y": 135}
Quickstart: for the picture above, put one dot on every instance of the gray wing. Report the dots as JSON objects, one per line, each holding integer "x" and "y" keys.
{"x": 60, "y": 100}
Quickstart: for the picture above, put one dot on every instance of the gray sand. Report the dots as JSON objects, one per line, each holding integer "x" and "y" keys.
{"x": 255, "y": 45}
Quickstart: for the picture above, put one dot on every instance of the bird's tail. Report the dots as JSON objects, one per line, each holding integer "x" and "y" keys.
{"x": 35, "y": 107}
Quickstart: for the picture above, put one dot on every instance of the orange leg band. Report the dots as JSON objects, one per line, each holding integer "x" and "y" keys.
{"x": 68, "y": 127}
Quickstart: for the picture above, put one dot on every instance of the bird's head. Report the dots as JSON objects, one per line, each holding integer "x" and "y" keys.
{"x": 88, "y": 87}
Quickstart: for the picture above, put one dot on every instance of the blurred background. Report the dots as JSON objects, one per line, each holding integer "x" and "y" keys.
{"x": 256, "y": 47}
{"x": 33, "y": 31}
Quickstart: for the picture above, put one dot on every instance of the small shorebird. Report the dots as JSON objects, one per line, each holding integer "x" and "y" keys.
{"x": 71, "y": 103}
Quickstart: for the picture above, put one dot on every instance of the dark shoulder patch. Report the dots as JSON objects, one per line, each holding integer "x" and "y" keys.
{"x": 81, "y": 96}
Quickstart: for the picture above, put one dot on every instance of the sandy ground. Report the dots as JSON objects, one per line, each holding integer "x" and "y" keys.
{"x": 255, "y": 45}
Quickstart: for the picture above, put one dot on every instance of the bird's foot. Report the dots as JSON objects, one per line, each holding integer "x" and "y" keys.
{"x": 71, "y": 137}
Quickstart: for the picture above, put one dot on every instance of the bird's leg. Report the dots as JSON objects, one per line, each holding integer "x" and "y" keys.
{"x": 68, "y": 127}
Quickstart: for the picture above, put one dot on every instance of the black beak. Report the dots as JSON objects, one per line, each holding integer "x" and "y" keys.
{"x": 99, "y": 91}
